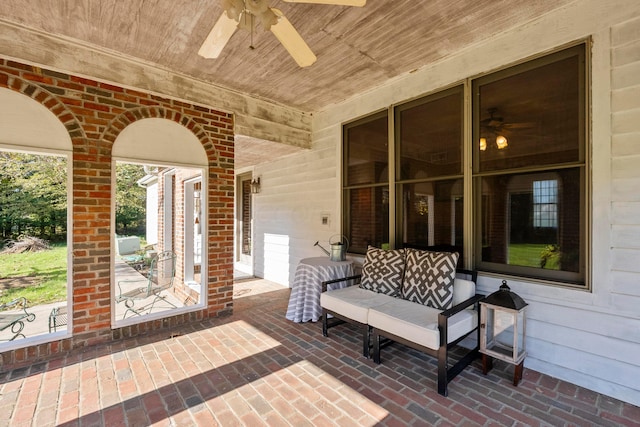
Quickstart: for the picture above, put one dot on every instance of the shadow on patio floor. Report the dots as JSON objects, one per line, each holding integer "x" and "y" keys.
{"x": 257, "y": 368}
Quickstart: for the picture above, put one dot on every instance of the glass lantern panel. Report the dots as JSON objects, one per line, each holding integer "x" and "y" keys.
{"x": 501, "y": 342}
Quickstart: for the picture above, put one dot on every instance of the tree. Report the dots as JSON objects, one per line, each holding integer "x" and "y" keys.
{"x": 130, "y": 199}
{"x": 33, "y": 195}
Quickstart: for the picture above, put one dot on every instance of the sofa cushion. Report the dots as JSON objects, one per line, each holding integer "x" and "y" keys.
{"x": 429, "y": 278}
{"x": 382, "y": 271}
{"x": 352, "y": 302}
{"x": 418, "y": 323}
{"x": 463, "y": 289}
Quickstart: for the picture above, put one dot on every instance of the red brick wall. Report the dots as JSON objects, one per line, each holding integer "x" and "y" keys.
{"x": 94, "y": 114}
{"x": 182, "y": 292}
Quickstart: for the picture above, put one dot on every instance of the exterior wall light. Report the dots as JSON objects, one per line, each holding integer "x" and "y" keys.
{"x": 255, "y": 185}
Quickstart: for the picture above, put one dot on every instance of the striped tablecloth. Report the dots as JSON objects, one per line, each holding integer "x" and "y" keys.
{"x": 304, "y": 301}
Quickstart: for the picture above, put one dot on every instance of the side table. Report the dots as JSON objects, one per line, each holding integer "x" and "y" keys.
{"x": 304, "y": 301}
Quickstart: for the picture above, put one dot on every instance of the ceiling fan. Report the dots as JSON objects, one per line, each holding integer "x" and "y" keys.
{"x": 244, "y": 13}
{"x": 496, "y": 125}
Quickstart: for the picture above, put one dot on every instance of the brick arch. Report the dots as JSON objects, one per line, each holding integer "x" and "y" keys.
{"x": 120, "y": 122}
{"x": 94, "y": 114}
{"x": 51, "y": 102}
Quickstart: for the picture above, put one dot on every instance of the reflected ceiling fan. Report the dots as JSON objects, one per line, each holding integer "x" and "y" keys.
{"x": 496, "y": 125}
{"x": 244, "y": 13}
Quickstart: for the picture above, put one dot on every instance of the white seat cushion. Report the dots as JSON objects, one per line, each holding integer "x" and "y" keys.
{"x": 352, "y": 302}
{"x": 419, "y": 323}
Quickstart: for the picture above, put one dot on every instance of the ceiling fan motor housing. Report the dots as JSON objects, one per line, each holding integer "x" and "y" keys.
{"x": 234, "y": 8}
{"x": 271, "y": 19}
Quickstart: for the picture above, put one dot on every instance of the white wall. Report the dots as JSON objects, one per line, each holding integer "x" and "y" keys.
{"x": 589, "y": 338}
{"x": 152, "y": 214}
{"x": 295, "y": 192}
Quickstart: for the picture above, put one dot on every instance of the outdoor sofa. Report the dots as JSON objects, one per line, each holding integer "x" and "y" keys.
{"x": 414, "y": 297}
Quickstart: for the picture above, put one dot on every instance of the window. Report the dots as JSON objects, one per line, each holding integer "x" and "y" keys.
{"x": 34, "y": 244}
{"x": 160, "y": 221}
{"x": 158, "y": 210}
{"x": 529, "y": 168}
{"x": 366, "y": 178}
{"x": 525, "y": 188}
{"x": 545, "y": 203}
{"x": 429, "y": 141}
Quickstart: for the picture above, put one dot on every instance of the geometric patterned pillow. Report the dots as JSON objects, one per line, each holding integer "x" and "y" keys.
{"x": 429, "y": 277}
{"x": 383, "y": 270}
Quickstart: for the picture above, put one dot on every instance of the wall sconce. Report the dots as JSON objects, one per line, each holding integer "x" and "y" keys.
{"x": 483, "y": 144}
{"x": 255, "y": 185}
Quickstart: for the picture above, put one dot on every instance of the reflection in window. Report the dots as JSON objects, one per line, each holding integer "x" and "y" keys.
{"x": 433, "y": 215}
{"x": 430, "y": 140}
{"x": 429, "y": 136}
{"x": 159, "y": 229}
{"x": 545, "y": 203}
{"x": 366, "y": 188}
{"x": 518, "y": 239}
{"x": 526, "y": 148}
{"x": 369, "y": 218}
{"x": 366, "y": 152}
{"x": 531, "y": 191}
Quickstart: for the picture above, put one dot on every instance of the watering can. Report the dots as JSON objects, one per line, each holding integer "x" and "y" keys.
{"x": 338, "y": 249}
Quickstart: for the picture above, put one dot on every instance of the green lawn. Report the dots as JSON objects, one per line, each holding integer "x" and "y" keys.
{"x": 40, "y": 277}
{"x": 529, "y": 255}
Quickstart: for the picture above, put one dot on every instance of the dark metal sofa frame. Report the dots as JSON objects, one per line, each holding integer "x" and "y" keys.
{"x": 371, "y": 337}
{"x": 338, "y": 319}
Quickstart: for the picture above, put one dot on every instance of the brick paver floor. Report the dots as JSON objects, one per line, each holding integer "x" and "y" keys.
{"x": 257, "y": 368}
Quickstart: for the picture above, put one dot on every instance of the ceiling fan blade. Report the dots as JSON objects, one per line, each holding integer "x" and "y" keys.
{"x": 292, "y": 41}
{"x": 522, "y": 125}
{"x": 218, "y": 37}
{"x": 357, "y": 3}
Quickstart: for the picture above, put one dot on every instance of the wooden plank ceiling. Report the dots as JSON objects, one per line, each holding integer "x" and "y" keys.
{"x": 357, "y": 48}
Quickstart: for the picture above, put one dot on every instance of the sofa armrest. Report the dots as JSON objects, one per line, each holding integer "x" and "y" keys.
{"x": 443, "y": 317}
{"x": 356, "y": 277}
{"x": 462, "y": 306}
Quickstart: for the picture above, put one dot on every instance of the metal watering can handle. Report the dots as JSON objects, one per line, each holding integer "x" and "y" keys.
{"x": 342, "y": 237}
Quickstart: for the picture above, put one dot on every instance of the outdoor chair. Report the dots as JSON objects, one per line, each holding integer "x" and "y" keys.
{"x": 57, "y": 318}
{"x": 15, "y": 317}
{"x": 160, "y": 278}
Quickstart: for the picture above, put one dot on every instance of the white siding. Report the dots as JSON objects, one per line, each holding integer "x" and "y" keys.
{"x": 296, "y": 191}
{"x": 152, "y": 214}
{"x": 625, "y": 157}
{"x": 589, "y": 338}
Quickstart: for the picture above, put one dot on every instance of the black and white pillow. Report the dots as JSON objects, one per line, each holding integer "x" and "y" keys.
{"x": 429, "y": 277}
{"x": 383, "y": 270}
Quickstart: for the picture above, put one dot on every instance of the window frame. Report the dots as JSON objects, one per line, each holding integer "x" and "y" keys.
{"x": 549, "y": 190}
{"x": 400, "y": 183}
{"x": 171, "y": 231}
{"x": 347, "y": 188}
{"x": 472, "y": 197}
{"x": 554, "y": 277}
{"x": 64, "y": 331}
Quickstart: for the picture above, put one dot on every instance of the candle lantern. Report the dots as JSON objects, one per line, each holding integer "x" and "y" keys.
{"x": 502, "y": 330}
